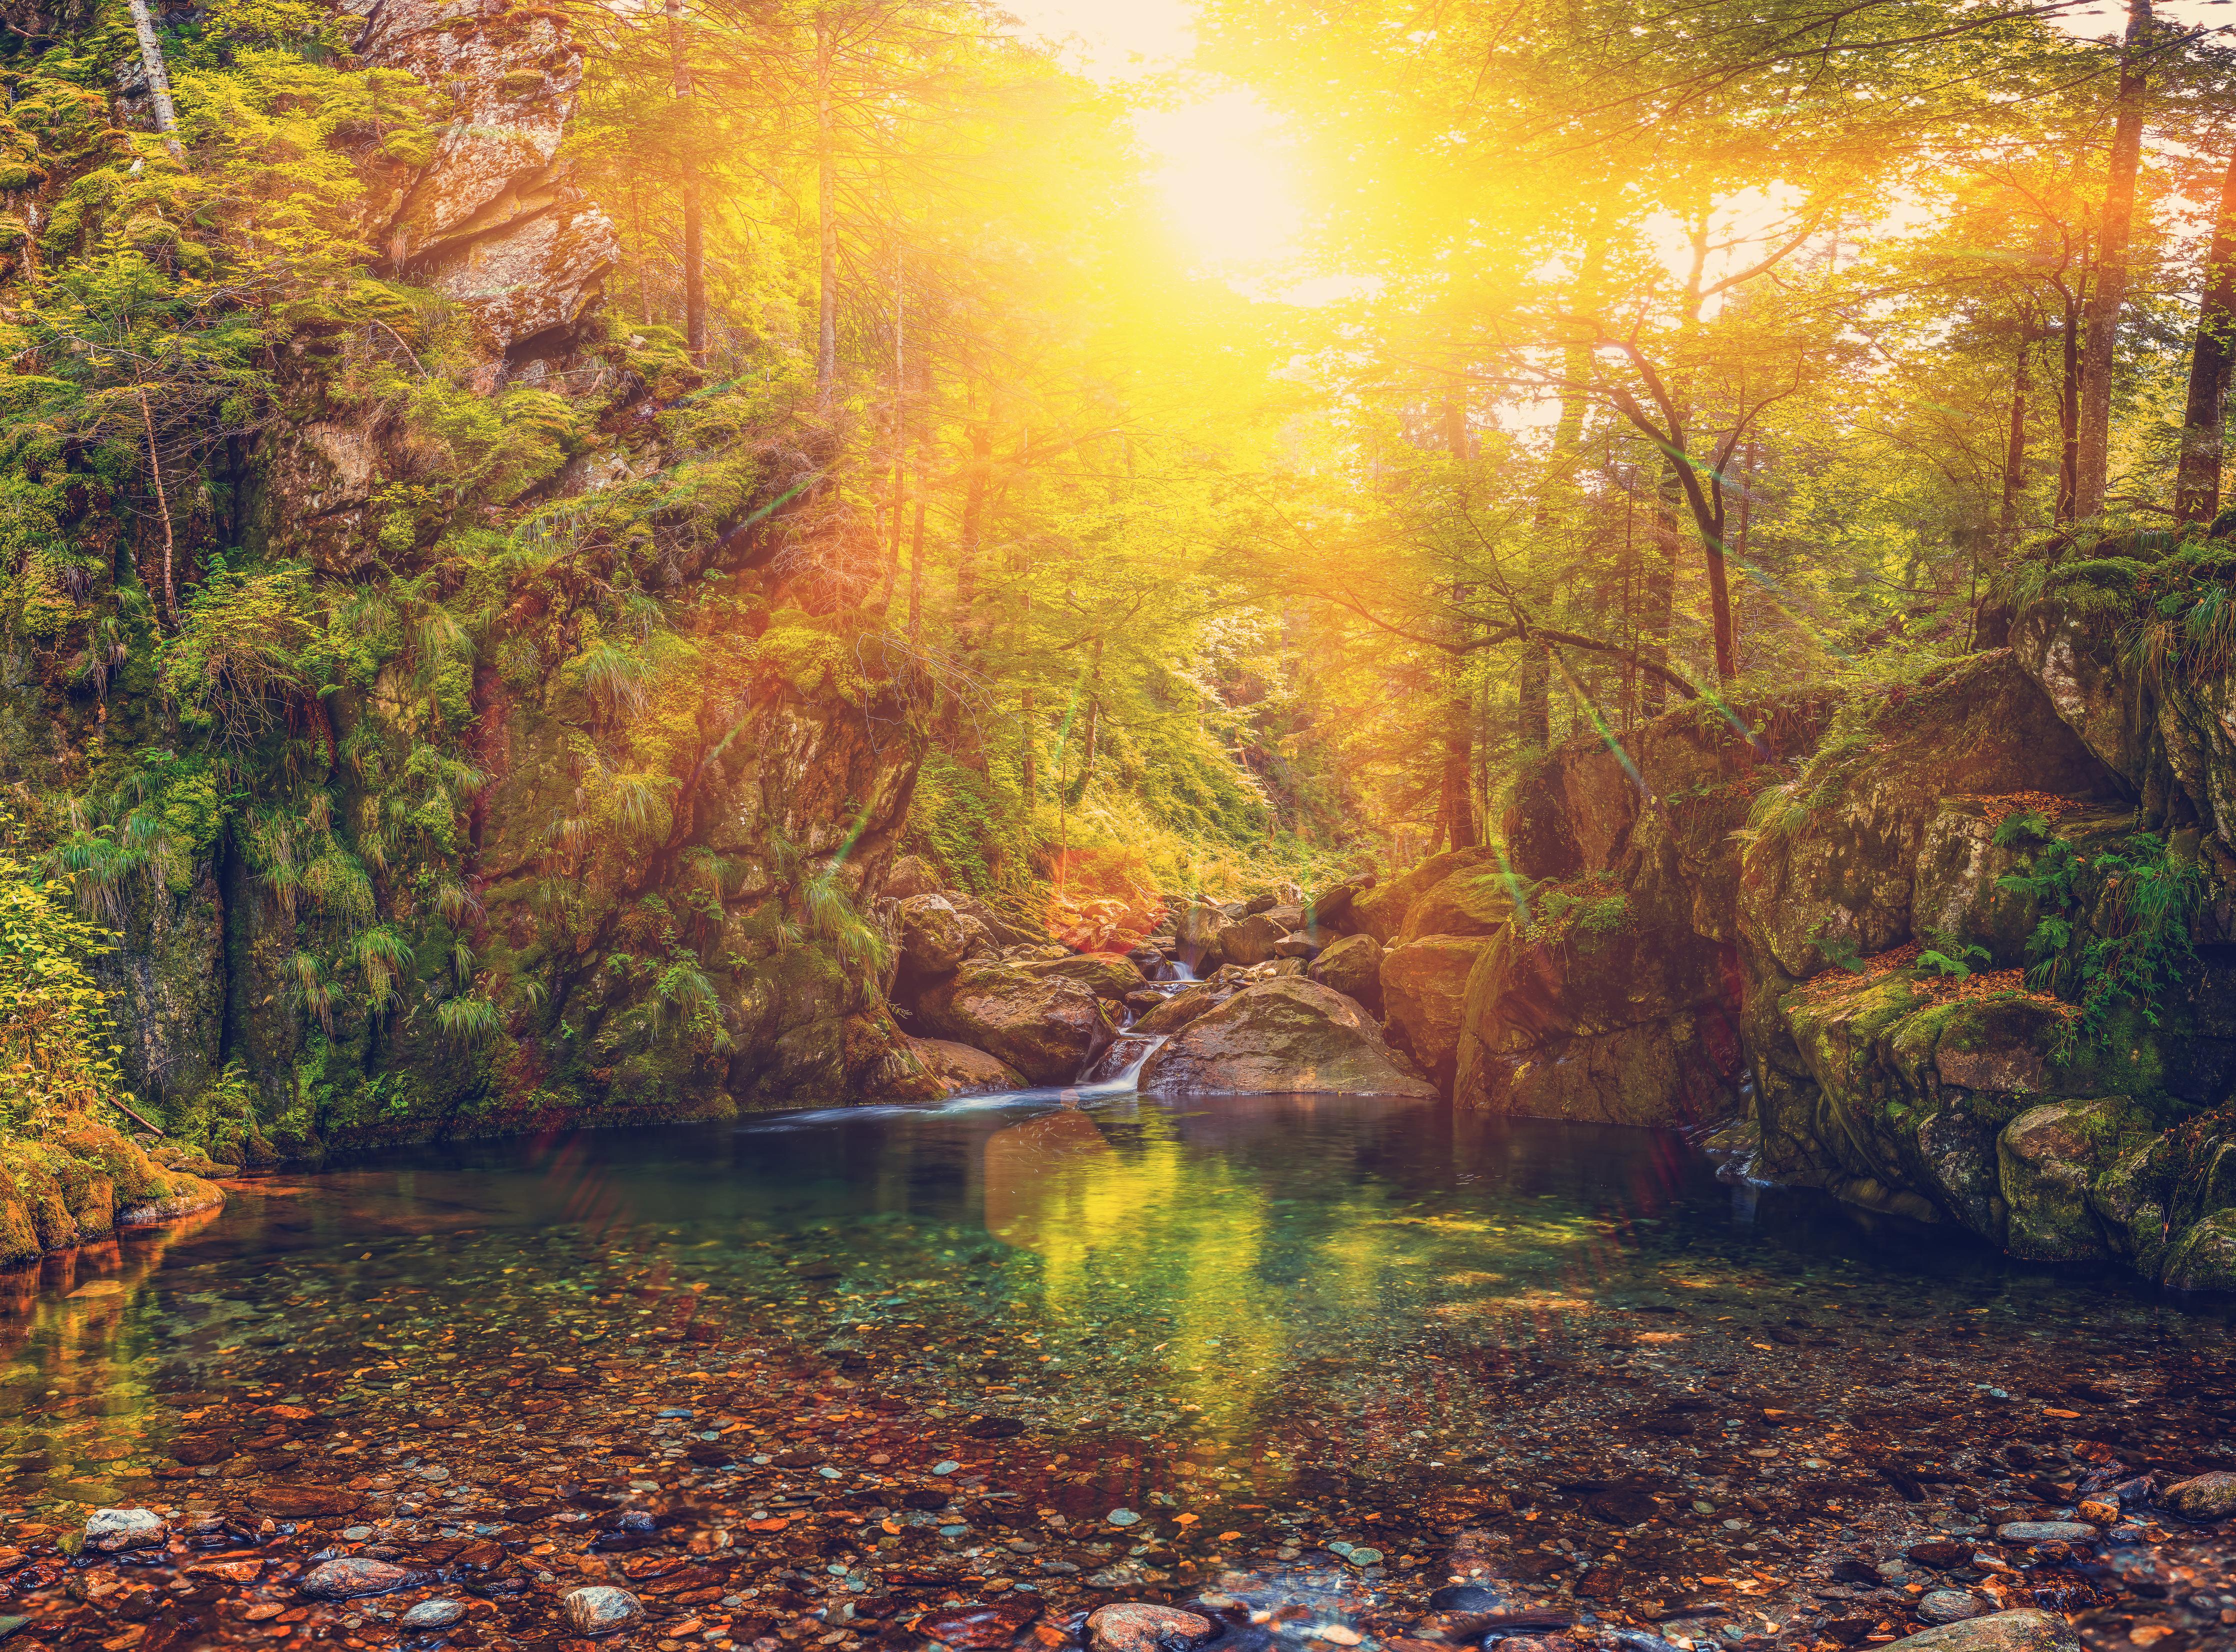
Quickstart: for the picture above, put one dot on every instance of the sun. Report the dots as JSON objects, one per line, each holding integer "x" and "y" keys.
{"x": 1225, "y": 178}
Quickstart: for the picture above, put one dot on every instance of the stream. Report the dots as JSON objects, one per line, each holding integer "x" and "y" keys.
{"x": 956, "y": 1375}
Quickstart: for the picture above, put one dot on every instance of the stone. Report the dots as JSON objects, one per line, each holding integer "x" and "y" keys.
{"x": 1382, "y": 911}
{"x": 2049, "y": 1157}
{"x": 1197, "y": 929}
{"x": 600, "y": 1609}
{"x": 1123, "y": 1517}
{"x": 2025, "y": 1630}
{"x": 1467, "y": 1597}
{"x": 1177, "y": 1010}
{"x": 2045, "y": 1531}
{"x": 981, "y": 1629}
{"x": 1105, "y": 974}
{"x": 2204, "y": 1258}
{"x": 1296, "y": 946}
{"x": 1475, "y": 900}
{"x": 936, "y": 939}
{"x": 1950, "y": 1605}
{"x": 1940, "y": 1553}
{"x": 1352, "y": 966}
{"x": 437, "y": 1614}
{"x": 960, "y": 1070}
{"x": 1252, "y": 940}
{"x": 1424, "y": 995}
{"x": 1328, "y": 913}
{"x": 2205, "y": 1496}
{"x": 351, "y": 1577}
{"x": 113, "y": 1528}
{"x": 911, "y": 875}
{"x": 1136, "y": 1626}
{"x": 1285, "y": 1034}
{"x": 1046, "y": 1028}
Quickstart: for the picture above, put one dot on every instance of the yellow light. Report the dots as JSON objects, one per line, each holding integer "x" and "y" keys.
{"x": 1223, "y": 178}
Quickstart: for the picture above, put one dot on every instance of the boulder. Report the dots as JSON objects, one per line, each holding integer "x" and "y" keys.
{"x": 1476, "y": 901}
{"x": 1287, "y": 1035}
{"x": 1047, "y": 1028}
{"x": 2026, "y": 1630}
{"x": 600, "y": 1609}
{"x": 1252, "y": 940}
{"x": 2204, "y": 1259}
{"x": 112, "y": 1529}
{"x": 936, "y": 939}
{"x": 911, "y": 875}
{"x": 1382, "y": 911}
{"x": 1181, "y": 1008}
{"x": 960, "y": 1070}
{"x": 1104, "y": 974}
{"x": 1423, "y": 994}
{"x": 1353, "y": 966}
{"x": 1004, "y": 932}
{"x": 1328, "y": 913}
{"x": 1197, "y": 929}
{"x": 2049, "y": 1157}
{"x": 1296, "y": 946}
{"x": 1132, "y": 1626}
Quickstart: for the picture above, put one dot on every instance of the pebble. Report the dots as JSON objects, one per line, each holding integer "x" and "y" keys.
{"x": 1949, "y": 1605}
{"x": 106, "y": 1529}
{"x": 2208, "y": 1496}
{"x": 600, "y": 1609}
{"x": 434, "y": 1472}
{"x": 1466, "y": 1598}
{"x": 1123, "y": 1517}
{"x": 432, "y": 1615}
{"x": 948, "y": 1467}
{"x": 2046, "y": 1531}
{"x": 357, "y": 1534}
{"x": 351, "y": 1575}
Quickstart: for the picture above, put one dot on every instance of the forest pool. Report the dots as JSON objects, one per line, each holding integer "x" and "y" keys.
{"x": 960, "y": 1375}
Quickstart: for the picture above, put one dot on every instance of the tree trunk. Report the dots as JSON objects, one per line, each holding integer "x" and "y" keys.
{"x": 2107, "y": 294}
{"x": 695, "y": 228}
{"x": 1027, "y": 752}
{"x": 1094, "y": 719}
{"x": 2197, "y": 483}
{"x": 159, "y": 78}
{"x": 162, "y": 508}
{"x": 2007, "y": 527}
{"x": 827, "y": 210}
{"x": 1459, "y": 726}
{"x": 900, "y": 433}
{"x": 1533, "y": 723}
{"x": 1659, "y": 593}
{"x": 2069, "y": 413}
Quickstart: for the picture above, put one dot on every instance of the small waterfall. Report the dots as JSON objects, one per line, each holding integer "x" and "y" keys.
{"x": 1117, "y": 1070}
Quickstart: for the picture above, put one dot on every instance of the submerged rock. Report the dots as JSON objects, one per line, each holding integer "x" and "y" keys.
{"x": 353, "y": 1576}
{"x": 2027, "y": 1630}
{"x": 1283, "y": 1035}
{"x": 1949, "y": 1605}
{"x": 2205, "y": 1496}
{"x": 1133, "y": 1627}
{"x": 432, "y": 1614}
{"x": 602, "y": 1609}
{"x": 110, "y": 1528}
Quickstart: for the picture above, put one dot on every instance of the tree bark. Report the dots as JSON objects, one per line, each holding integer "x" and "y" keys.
{"x": 827, "y": 210}
{"x": 2068, "y": 413}
{"x": 2107, "y": 294}
{"x": 1459, "y": 725}
{"x": 162, "y": 508}
{"x": 2007, "y": 526}
{"x": 2197, "y": 481}
{"x": 695, "y": 227}
{"x": 159, "y": 78}
{"x": 1660, "y": 588}
{"x": 900, "y": 432}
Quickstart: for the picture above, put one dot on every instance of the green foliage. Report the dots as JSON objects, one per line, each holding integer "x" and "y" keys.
{"x": 57, "y": 1056}
{"x": 1594, "y": 906}
{"x": 1949, "y": 957}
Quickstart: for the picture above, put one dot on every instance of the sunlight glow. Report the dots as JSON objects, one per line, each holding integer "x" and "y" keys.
{"x": 1225, "y": 179}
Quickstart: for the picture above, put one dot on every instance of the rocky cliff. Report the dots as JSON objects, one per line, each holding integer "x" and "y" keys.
{"x": 514, "y": 755}
{"x": 1958, "y": 949}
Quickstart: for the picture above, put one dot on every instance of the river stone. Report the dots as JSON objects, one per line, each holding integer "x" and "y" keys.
{"x": 1949, "y": 1605}
{"x": 1252, "y": 940}
{"x": 911, "y": 875}
{"x": 1475, "y": 900}
{"x": 2204, "y": 1258}
{"x": 1047, "y": 1029}
{"x": 2208, "y": 1496}
{"x": 1104, "y": 974}
{"x": 1134, "y": 1627}
{"x": 2026, "y": 1630}
{"x": 1353, "y": 966}
{"x": 961, "y": 1070}
{"x": 1287, "y": 1035}
{"x": 1467, "y": 1597}
{"x": 2049, "y": 1157}
{"x": 1329, "y": 913}
{"x": 432, "y": 1614}
{"x": 1424, "y": 995}
{"x": 1177, "y": 1010}
{"x": 351, "y": 1575}
{"x": 2046, "y": 1531}
{"x": 936, "y": 939}
{"x": 600, "y": 1609}
{"x": 108, "y": 1529}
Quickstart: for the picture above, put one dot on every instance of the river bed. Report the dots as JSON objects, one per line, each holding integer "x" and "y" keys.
{"x": 898, "y": 1377}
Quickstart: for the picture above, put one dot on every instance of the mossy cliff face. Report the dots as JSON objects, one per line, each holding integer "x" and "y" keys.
{"x": 1614, "y": 991}
{"x": 515, "y": 755}
{"x": 1961, "y": 982}
{"x": 83, "y": 1182}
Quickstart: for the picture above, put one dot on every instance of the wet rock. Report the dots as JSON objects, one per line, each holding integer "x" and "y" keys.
{"x": 1104, "y": 974}
{"x": 960, "y": 1070}
{"x": 1424, "y": 993}
{"x": 981, "y": 1629}
{"x": 432, "y": 1614}
{"x": 2028, "y": 1631}
{"x": 1284, "y": 1035}
{"x": 353, "y": 1576}
{"x": 1133, "y": 1627}
{"x": 1251, "y": 940}
{"x": 602, "y": 1609}
{"x": 1466, "y": 1598}
{"x": 1949, "y": 1605}
{"x": 2049, "y": 1157}
{"x": 112, "y": 1529}
{"x": 936, "y": 939}
{"x": 1353, "y": 966}
{"x": 2204, "y": 1258}
{"x": 2045, "y": 1531}
{"x": 1177, "y": 1010}
{"x": 2206, "y": 1496}
{"x": 1939, "y": 1553}
{"x": 1047, "y": 1029}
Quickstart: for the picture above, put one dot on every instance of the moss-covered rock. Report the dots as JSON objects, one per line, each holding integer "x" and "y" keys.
{"x": 1422, "y": 984}
{"x": 82, "y": 1181}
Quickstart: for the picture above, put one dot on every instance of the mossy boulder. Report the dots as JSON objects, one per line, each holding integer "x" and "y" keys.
{"x": 1382, "y": 912}
{"x": 1285, "y": 1034}
{"x": 935, "y": 938}
{"x": 1106, "y": 975}
{"x": 2049, "y": 1158}
{"x": 1423, "y": 985}
{"x": 82, "y": 1181}
{"x": 1352, "y": 966}
{"x": 1047, "y": 1028}
{"x": 1476, "y": 901}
